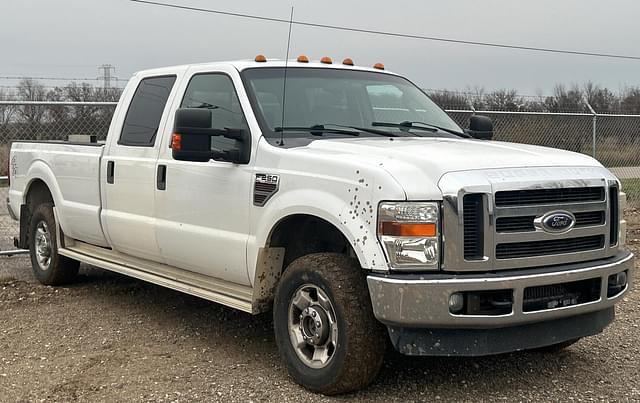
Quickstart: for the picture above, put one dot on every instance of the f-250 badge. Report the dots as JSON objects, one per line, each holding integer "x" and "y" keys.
{"x": 264, "y": 187}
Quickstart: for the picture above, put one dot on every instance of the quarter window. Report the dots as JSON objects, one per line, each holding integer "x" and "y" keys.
{"x": 143, "y": 117}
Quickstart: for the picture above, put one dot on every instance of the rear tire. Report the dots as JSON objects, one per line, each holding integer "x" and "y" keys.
{"x": 49, "y": 267}
{"x": 324, "y": 325}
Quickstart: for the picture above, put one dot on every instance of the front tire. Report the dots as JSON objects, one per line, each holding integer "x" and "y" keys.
{"x": 324, "y": 324}
{"x": 49, "y": 267}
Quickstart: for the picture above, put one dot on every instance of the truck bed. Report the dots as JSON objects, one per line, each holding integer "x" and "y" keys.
{"x": 71, "y": 171}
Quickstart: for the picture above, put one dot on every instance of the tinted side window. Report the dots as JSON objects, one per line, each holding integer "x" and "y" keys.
{"x": 143, "y": 117}
{"x": 216, "y": 92}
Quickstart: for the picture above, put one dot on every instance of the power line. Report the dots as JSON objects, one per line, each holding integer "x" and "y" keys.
{"x": 57, "y": 78}
{"x": 393, "y": 34}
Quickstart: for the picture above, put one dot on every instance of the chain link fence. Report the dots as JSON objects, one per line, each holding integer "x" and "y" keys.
{"x": 39, "y": 121}
{"x": 613, "y": 139}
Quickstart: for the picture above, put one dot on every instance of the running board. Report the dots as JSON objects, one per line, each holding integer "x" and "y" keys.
{"x": 223, "y": 292}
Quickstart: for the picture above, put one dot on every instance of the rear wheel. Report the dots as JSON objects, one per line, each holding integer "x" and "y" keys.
{"x": 324, "y": 324}
{"x": 49, "y": 267}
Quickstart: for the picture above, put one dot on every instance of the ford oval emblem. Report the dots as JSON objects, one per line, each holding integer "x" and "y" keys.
{"x": 557, "y": 221}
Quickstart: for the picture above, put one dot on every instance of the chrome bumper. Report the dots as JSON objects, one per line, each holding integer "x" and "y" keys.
{"x": 423, "y": 301}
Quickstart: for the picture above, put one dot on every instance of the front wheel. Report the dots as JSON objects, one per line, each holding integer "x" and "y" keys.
{"x": 49, "y": 267}
{"x": 324, "y": 324}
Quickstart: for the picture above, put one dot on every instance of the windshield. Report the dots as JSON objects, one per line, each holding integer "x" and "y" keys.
{"x": 348, "y": 98}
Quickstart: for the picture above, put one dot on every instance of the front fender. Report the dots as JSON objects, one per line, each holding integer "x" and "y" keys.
{"x": 354, "y": 216}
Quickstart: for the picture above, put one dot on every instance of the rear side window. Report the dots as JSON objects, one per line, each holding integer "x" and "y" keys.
{"x": 143, "y": 117}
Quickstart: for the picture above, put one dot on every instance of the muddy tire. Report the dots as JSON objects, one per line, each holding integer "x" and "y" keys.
{"x": 324, "y": 325}
{"x": 49, "y": 267}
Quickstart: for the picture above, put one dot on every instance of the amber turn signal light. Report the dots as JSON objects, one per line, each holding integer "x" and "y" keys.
{"x": 378, "y": 66}
{"x": 260, "y": 59}
{"x": 303, "y": 59}
{"x": 326, "y": 60}
{"x": 176, "y": 142}
{"x": 407, "y": 229}
{"x": 347, "y": 62}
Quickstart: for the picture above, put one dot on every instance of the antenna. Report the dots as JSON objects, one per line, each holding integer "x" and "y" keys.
{"x": 284, "y": 82}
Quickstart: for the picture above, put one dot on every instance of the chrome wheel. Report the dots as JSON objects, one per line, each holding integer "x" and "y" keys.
{"x": 43, "y": 245}
{"x": 313, "y": 328}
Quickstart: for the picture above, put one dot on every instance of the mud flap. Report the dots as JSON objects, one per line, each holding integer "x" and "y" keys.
{"x": 21, "y": 241}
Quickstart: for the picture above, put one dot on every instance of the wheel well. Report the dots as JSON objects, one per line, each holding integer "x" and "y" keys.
{"x": 302, "y": 234}
{"x": 37, "y": 194}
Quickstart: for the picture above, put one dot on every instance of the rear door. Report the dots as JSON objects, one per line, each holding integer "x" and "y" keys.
{"x": 202, "y": 208}
{"x": 128, "y": 169}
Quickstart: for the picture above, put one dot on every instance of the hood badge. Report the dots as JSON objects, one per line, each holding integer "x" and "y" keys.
{"x": 556, "y": 222}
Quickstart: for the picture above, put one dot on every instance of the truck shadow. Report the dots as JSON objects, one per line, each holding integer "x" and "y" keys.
{"x": 249, "y": 340}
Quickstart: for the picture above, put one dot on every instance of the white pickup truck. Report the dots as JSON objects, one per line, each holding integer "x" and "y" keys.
{"x": 343, "y": 199}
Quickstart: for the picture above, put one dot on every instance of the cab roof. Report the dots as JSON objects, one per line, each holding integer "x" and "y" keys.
{"x": 241, "y": 65}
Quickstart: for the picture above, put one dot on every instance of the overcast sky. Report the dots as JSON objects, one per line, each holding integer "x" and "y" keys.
{"x": 70, "y": 38}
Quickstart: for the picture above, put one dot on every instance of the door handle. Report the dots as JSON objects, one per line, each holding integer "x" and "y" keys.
{"x": 161, "y": 177}
{"x": 111, "y": 166}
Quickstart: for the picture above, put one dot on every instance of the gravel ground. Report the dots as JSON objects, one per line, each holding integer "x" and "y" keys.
{"x": 111, "y": 338}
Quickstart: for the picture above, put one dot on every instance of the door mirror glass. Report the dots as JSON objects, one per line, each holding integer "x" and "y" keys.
{"x": 210, "y": 122}
{"x": 195, "y": 138}
{"x": 480, "y": 127}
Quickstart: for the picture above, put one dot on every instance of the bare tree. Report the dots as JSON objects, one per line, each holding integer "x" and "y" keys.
{"x": 566, "y": 100}
{"x": 449, "y": 99}
{"x": 503, "y": 100}
{"x": 601, "y": 99}
{"x": 6, "y": 111}
{"x": 57, "y": 115}
{"x": 630, "y": 100}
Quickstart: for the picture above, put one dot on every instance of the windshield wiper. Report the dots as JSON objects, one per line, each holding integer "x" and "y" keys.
{"x": 364, "y": 129}
{"x": 316, "y": 130}
{"x": 421, "y": 126}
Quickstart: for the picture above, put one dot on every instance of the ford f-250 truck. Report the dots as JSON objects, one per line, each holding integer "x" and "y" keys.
{"x": 343, "y": 199}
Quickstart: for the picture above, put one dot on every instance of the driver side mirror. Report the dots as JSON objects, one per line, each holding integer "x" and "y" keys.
{"x": 480, "y": 127}
{"x": 193, "y": 134}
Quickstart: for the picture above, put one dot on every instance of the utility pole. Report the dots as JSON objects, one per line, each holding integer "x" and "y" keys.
{"x": 106, "y": 69}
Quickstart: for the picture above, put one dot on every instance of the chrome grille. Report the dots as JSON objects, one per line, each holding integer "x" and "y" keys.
{"x": 473, "y": 227}
{"x": 552, "y": 247}
{"x": 613, "y": 216}
{"x": 513, "y": 234}
{"x": 525, "y": 223}
{"x": 549, "y": 196}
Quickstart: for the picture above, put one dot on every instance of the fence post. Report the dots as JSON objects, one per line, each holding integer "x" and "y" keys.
{"x": 594, "y": 127}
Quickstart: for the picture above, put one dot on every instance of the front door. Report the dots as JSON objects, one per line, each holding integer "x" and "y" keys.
{"x": 202, "y": 208}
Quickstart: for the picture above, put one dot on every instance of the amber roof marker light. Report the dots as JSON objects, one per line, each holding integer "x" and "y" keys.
{"x": 378, "y": 66}
{"x": 260, "y": 59}
{"x": 347, "y": 62}
{"x": 302, "y": 59}
{"x": 326, "y": 60}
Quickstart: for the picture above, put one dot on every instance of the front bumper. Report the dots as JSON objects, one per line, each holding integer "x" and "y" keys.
{"x": 422, "y": 301}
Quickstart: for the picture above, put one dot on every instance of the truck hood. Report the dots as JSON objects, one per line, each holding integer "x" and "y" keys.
{"x": 417, "y": 164}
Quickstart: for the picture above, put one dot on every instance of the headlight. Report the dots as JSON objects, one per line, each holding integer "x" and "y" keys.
{"x": 408, "y": 232}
